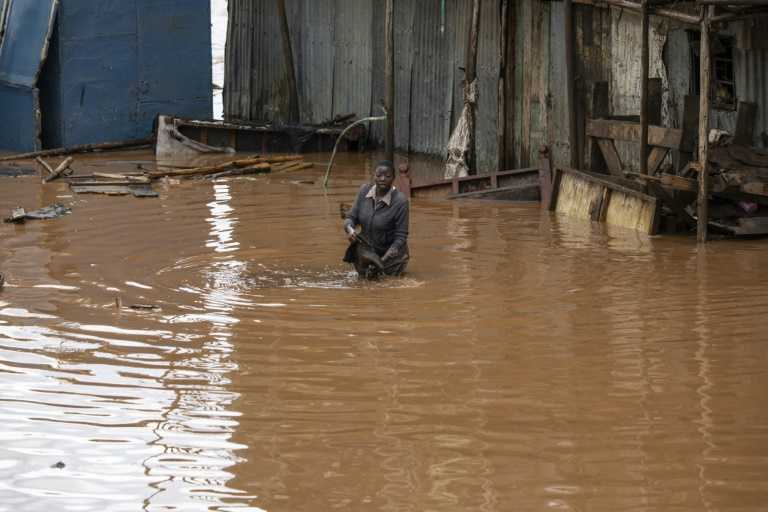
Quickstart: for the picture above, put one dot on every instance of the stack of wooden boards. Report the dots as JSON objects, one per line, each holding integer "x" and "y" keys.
{"x": 252, "y": 165}
{"x": 139, "y": 183}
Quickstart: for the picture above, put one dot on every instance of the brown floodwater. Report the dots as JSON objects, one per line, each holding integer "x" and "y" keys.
{"x": 526, "y": 362}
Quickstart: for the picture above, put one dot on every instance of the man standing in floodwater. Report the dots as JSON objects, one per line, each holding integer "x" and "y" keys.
{"x": 381, "y": 211}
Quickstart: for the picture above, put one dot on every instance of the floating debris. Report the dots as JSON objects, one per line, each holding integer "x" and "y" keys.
{"x": 18, "y": 214}
{"x": 147, "y": 307}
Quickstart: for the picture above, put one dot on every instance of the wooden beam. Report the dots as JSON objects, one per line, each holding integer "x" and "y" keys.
{"x": 645, "y": 65}
{"x": 704, "y": 80}
{"x": 623, "y": 130}
{"x": 735, "y": 16}
{"x": 655, "y": 159}
{"x": 611, "y": 156}
{"x": 471, "y": 74}
{"x": 293, "y": 98}
{"x": 389, "y": 80}
{"x": 509, "y": 86}
{"x": 501, "y": 137}
{"x": 658, "y": 11}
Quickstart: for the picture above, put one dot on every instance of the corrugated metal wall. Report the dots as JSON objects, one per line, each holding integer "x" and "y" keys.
{"x": 339, "y": 57}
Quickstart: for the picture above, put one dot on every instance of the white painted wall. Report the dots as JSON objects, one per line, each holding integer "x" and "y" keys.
{"x": 218, "y": 43}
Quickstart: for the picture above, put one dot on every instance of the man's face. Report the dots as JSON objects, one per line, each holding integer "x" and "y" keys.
{"x": 383, "y": 177}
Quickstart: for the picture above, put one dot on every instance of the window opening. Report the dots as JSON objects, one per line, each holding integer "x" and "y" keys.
{"x": 723, "y": 85}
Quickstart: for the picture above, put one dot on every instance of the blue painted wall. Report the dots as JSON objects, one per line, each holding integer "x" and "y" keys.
{"x": 114, "y": 65}
{"x": 21, "y": 54}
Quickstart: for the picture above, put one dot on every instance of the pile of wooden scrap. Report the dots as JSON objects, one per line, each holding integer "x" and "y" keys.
{"x": 739, "y": 183}
{"x": 139, "y": 183}
{"x": 252, "y": 165}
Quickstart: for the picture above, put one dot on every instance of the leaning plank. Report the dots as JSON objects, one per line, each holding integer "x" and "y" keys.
{"x": 59, "y": 170}
{"x": 657, "y": 156}
{"x": 45, "y": 166}
{"x": 670, "y": 138}
{"x": 611, "y": 156}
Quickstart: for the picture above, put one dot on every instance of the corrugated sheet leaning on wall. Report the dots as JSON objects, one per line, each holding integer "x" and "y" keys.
{"x": 339, "y": 58}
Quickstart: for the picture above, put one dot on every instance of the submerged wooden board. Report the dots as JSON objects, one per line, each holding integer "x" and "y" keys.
{"x": 596, "y": 198}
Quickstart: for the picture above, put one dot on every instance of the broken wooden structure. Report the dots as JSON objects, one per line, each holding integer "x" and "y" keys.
{"x": 188, "y": 138}
{"x": 714, "y": 184}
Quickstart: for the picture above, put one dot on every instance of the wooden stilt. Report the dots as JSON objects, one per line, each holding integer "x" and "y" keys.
{"x": 645, "y": 59}
{"x": 705, "y": 77}
{"x": 389, "y": 78}
{"x": 471, "y": 74}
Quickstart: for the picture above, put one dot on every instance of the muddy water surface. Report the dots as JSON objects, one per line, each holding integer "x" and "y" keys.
{"x": 527, "y": 362}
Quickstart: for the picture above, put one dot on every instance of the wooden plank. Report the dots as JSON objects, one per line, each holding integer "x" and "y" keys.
{"x": 745, "y": 123}
{"x": 679, "y": 183}
{"x": 625, "y": 131}
{"x": 611, "y": 156}
{"x": 656, "y": 158}
{"x": 600, "y": 110}
{"x": 545, "y": 177}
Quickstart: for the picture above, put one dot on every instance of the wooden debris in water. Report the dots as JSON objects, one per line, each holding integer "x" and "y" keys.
{"x": 253, "y": 165}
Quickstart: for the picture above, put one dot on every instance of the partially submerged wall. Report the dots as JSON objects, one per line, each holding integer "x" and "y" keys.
{"x": 339, "y": 60}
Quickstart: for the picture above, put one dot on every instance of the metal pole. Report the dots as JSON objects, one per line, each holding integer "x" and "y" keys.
{"x": 645, "y": 58}
{"x": 705, "y": 76}
{"x": 389, "y": 77}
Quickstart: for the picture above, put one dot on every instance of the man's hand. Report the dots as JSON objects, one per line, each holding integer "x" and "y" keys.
{"x": 351, "y": 234}
{"x": 391, "y": 253}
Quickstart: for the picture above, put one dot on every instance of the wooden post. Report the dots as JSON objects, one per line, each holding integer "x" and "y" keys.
{"x": 389, "y": 78}
{"x": 645, "y": 63}
{"x": 570, "y": 83}
{"x": 510, "y": 49}
{"x": 705, "y": 77}
{"x": 502, "y": 90}
{"x": 293, "y": 100}
{"x": 471, "y": 74}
